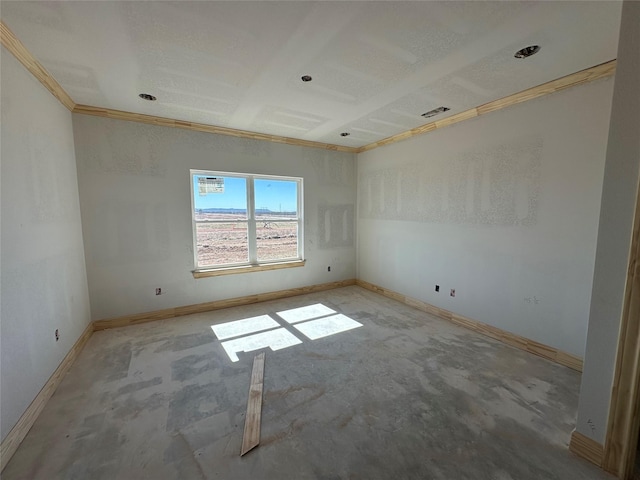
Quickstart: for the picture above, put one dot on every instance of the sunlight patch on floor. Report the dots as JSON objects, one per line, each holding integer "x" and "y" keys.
{"x": 327, "y": 326}
{"x": 244, "y": 327}
{"x": 274, "y": 339}
{"x": 305, "y": 313}
{"x": 314, "y": 321}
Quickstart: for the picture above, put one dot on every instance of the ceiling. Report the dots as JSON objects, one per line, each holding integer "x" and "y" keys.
{"x": 376, "y": 66}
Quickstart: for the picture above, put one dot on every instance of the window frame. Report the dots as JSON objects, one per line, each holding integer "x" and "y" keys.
{"x": 252, "y": 264}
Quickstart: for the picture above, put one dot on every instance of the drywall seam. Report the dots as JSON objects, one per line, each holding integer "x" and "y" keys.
{"x": 521, "y": 343}
{"x": 572, "y": 80}
{"x": 15, "y": 436}
{"x": 201, "y": 127}
{"x": 13, "y": 44}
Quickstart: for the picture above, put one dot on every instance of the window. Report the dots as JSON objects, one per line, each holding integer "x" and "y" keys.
{"x": 244, "y": 220}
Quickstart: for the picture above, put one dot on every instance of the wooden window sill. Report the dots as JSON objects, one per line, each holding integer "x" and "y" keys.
{"x": 214, "y": 272}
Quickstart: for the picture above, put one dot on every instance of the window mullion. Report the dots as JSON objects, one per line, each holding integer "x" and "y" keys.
{"x": 251, "y": 217}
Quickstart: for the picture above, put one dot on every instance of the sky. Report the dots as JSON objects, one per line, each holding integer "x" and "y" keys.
{"x": 275, "y": 195}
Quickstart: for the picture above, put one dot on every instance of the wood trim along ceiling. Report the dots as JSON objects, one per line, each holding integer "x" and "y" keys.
{"x": 522, "y": 343}
{"x": 13, "y": 439}
{"x": 624, "y": 413}
{"x": 586, "y": 448}
{"x": 201, "y": 127}
{"x": 15, "y": 46}
{"x": 18, "y": 50}
{"x": 578, "y": 78}
{"x": 215, "y": 305}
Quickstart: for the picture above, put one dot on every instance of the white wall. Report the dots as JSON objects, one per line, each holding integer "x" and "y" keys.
{"x": 44, "y": 284}
{"x": 619, "y": 195}
{"x": 136, "y": 213}
{"x": 503, "y": 208}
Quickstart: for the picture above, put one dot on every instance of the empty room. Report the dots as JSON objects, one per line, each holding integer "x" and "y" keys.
{"x": 320, "y": 240}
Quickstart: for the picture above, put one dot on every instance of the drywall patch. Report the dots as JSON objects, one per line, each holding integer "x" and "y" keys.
{"x": 335, "y": 226}
{"x": 496, "y": 186}
{"x": 131, "y": 232}
{"x": 331, "y": 169}
{"x": 127, "y": 148}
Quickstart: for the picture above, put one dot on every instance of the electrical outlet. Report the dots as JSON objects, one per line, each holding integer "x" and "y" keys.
{"x": 57, "y": 335}
{"x": 158, "y": 291}
{"x": 437, "y": 288}
{"x": 453, "y": 292}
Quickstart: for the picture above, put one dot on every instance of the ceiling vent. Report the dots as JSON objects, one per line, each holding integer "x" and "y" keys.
{"x": 527, "y": 51}
{"x": 435, "y": 111}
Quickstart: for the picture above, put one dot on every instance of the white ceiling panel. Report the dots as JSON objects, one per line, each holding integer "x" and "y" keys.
{"x": 376, "y": 66}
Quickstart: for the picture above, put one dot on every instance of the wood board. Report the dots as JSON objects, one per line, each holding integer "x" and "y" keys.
{"x": 251, "y": 436}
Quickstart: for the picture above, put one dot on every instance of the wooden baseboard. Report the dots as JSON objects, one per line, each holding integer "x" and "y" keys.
{"x": 550, "y": 353}
{"x": 13, "y": 439}
{"x": 586, "y": 448}
{"x": 215, "y": 305}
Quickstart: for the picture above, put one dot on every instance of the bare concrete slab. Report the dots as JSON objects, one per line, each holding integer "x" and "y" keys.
{"x": 405, "y": 396}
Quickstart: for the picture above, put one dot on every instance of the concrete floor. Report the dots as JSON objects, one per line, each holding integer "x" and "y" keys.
{"x": 406, "y": 396}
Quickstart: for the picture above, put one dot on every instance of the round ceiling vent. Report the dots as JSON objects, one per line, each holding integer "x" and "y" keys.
{"x": 146, "y": 96}
{"x": 527, "y": 51}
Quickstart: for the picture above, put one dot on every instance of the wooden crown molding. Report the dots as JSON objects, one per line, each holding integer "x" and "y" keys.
{"x": 18, "y": 50}
{"x": 578, "y": 78}
{"x": 201, "y": 127}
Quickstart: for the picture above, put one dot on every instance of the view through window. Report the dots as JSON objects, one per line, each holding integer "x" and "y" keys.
{"x": 241, "y": 219}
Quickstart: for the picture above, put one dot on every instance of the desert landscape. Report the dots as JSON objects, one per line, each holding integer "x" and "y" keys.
{"x": 225, "y": 241}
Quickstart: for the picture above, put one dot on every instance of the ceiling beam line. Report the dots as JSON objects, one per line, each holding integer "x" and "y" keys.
{"x": 20, "y": 52}
{"x": 583, "y": 76}
{"x": 24, "y": 56}
{"x": 201, "y": 127}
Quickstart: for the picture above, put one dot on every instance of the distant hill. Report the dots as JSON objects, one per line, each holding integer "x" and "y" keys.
{"x": 237, "y": 211}
{"x": 221, "y": 210}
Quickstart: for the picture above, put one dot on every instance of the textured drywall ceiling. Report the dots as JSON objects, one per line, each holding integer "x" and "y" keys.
{"x": 376, "y": 66}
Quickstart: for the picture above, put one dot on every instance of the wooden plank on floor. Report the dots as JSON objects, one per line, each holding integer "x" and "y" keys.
{"x": 251, "y": 437}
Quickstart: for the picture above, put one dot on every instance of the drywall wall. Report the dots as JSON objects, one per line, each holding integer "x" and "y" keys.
{"x": 502, "y": 208}
{"x": 134, "y": 188}
{"x": 619, "y": 193}
{"x": 44, "y": 284}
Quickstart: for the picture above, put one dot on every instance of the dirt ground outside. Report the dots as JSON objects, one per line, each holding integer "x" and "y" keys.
{"x": 224, "y": 243}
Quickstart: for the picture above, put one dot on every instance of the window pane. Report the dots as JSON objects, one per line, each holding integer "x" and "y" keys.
{"x": 219, "y": 198}
{"x": 276, "y": 199}
{"x": 276, "y": 240}
{"x": 222, "y": 243}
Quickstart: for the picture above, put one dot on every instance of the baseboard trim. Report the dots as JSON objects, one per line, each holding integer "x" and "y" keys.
{"x": 531, "y": 346}
{"x": 215, "y": 305}
{"x": 586, "y": 448}
{"x": 13, "y": 439}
